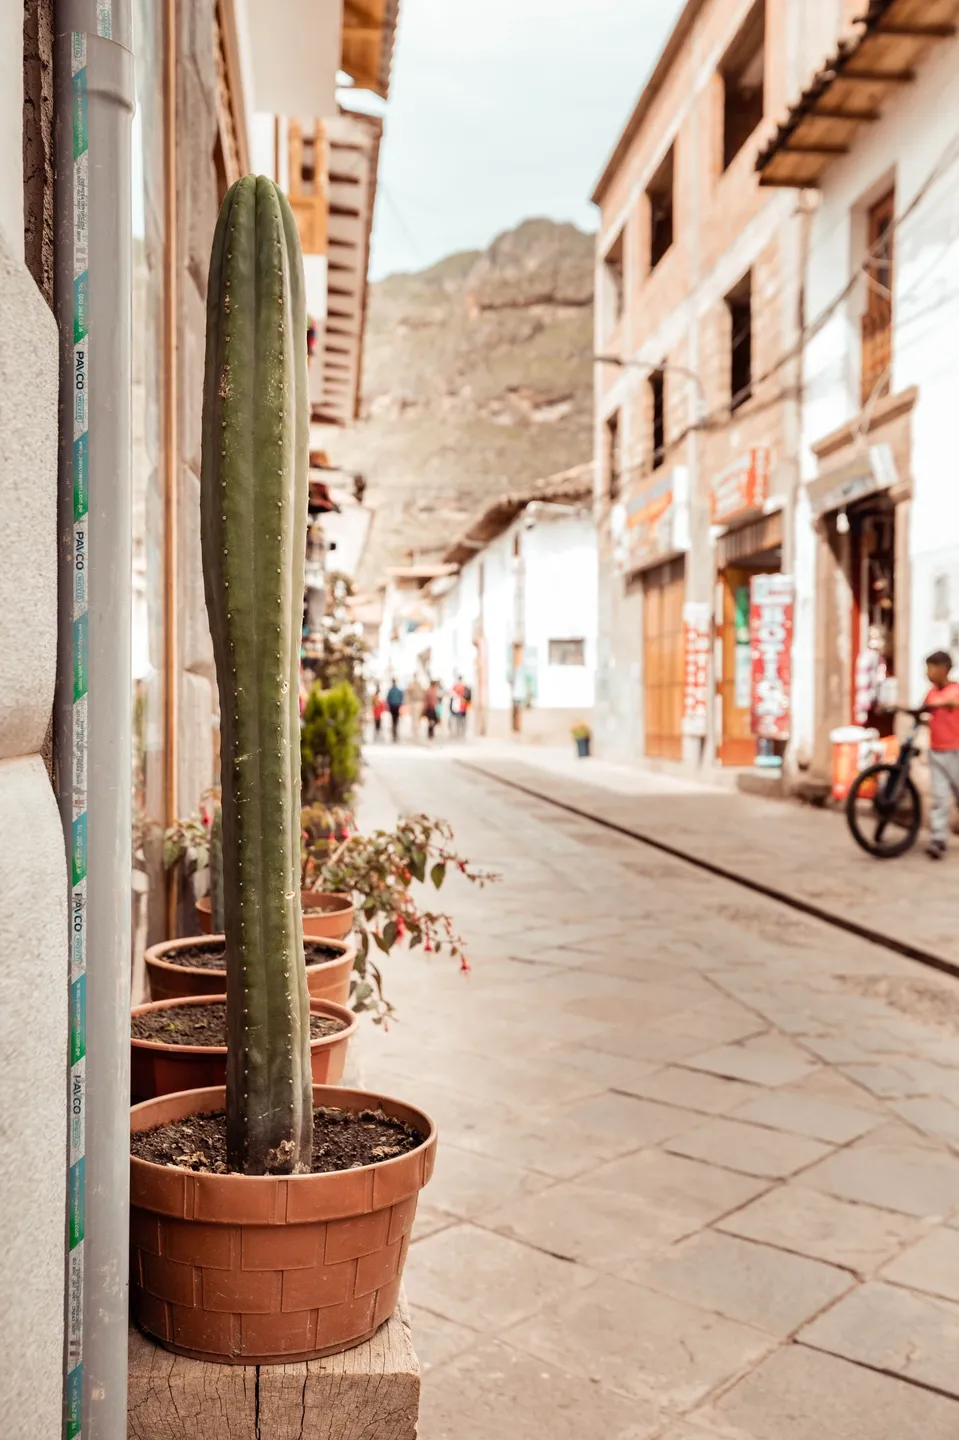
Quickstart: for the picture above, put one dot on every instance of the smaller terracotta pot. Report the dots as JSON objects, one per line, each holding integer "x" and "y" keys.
{"x": 170, "y": 981}
{"x": 329, "y": 980}
{"x": 159, "y": 1068}
{"x": 325, "y": 917}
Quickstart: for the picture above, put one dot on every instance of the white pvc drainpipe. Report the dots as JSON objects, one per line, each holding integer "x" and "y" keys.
{"x": 93, "y": 106}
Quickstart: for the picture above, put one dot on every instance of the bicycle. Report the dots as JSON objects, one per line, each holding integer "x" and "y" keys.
{"x": 885, "y": 795}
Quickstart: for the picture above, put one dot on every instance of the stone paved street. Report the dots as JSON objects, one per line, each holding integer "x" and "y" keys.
{"x": 697, "y": 1173}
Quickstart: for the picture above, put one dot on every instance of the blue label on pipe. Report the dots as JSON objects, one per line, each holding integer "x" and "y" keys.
{"x": 80, "y": 638}
{"x": 78, "y": 1019}
{"x": 80, "y": 298}
{"x": 79, "y": 848}
{"x": 80, "y": 484}
{"x": 74, "y": 1400}
{"x": 79, "y": 112}
{"x": 77, "y": 1192}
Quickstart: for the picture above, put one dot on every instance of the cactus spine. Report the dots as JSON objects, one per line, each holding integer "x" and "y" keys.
{"x": 253, "y": 526}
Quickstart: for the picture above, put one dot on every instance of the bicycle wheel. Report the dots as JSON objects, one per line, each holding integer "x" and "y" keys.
{"x": 881, "y": 828}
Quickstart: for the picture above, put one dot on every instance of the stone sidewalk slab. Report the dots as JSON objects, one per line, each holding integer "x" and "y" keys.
{"x": 895, "y": 1331}
{"x": 756, "y": 1284}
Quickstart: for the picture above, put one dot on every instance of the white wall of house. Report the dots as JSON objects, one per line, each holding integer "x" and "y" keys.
{"x": 556, "y": 571}
{"x": 33, "y": 881}
{"x": 914, "y": 139}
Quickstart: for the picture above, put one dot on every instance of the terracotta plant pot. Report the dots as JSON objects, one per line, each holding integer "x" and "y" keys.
{"x": 170, "y": 981}
{"x": 332, "y": 979}
{"x": 159, "y": 1068}
{"x": 242, "y": 1270}
{"x": 326, "y": 917}
{"x": 331, "y": 917}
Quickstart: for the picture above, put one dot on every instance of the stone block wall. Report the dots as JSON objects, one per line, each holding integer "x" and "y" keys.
{"x": 33, "y": 933}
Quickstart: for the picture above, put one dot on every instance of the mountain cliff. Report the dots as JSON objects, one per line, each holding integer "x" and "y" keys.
{"x": 477, "y": 379}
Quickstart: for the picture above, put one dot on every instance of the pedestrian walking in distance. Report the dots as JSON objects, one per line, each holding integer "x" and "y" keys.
{"x": 431, "y": 701}
{"x": 379, "y": 710}
{"x": 943, "y": 704}
{"x": 394, "y": 703}
{"x": 458, "y": 706}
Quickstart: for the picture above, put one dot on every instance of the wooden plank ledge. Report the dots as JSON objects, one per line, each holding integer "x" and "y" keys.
{"x": 370, "y": 1393}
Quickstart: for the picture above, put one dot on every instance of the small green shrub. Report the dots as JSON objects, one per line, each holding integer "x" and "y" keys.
{"x": 330, "y": 740}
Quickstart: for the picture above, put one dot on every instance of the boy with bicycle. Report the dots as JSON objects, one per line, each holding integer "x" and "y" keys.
{"x": 942, "y": 702}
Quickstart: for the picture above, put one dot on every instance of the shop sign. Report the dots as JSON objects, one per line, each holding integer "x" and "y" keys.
{"x": 772, "y": 599}
{"x": 742, "y": 487}
{"x": 697, "y": 640}
{"x": 652, "y": 522}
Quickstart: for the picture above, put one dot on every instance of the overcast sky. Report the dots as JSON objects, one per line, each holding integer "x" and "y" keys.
{"x": 501, "y": 110}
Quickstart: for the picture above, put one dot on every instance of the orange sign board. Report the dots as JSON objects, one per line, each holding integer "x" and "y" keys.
{"x": 742, "y": 487}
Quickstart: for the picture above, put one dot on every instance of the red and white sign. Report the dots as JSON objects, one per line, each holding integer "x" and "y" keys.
{"x": 771, "y": 602}
{"x": 697, "y": 640}
{"x": 741, "y": 488}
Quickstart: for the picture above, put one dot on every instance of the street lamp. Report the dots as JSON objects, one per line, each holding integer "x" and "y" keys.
{"x": 651, "y": 368}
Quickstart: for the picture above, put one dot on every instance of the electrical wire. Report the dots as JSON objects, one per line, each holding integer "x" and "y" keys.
{"x": 721, "y": 414}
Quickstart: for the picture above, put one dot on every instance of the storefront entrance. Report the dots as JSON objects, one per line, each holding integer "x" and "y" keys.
{"x": 664, "y": 590}
{"x": 872, "y": 560}
{"x": 755, "y": 549}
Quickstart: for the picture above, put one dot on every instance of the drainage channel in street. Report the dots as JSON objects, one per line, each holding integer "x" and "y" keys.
{"x": 805, "y": 907}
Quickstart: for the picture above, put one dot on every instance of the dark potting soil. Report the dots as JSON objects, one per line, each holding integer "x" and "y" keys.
{"x": 342, "y": 1140}
{"x": 213, "y": 957}
{"x": 206, "y": 1025}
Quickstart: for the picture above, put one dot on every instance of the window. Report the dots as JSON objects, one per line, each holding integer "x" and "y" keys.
{"x": 739, "y": 305}
{"x": 657, "y": 388}
{"x": 613, "y": 457}
{"x": 613, "y": 263}
{"x": 659, "y": 194}
{"x": 567, "y": 652}
{"x": 742, "y": 72}
{"x": 877, "y": 316}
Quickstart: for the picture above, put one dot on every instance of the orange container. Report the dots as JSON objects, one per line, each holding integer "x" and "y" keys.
{"x": 851, "y": 752}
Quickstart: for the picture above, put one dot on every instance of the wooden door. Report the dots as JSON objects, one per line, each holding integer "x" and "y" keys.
{"x": 664, "y": 590}
{"x": 738, "y": 745}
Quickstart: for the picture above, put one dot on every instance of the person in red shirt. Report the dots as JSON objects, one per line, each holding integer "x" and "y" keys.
{"x": 943, "y": 704}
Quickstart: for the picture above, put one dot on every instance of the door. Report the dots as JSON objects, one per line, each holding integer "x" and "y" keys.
{"x": 738, "y": 745}
{"x": 664, "y": 590}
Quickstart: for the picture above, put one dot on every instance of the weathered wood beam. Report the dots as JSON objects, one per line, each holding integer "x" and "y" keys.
{"x": 876, "y": 77}
{"x": 916, "y": 31}
{"x": 813, "y": 149}
{"x": 853, "y": 116}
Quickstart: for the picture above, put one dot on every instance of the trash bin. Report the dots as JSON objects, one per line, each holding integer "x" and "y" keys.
{"x": 852, "y": 751}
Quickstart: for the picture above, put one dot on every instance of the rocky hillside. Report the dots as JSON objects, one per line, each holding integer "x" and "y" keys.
{"x": 478, "y": 379}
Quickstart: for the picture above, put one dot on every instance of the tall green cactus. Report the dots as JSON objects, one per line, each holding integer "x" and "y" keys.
{"x": 253, "y": 524}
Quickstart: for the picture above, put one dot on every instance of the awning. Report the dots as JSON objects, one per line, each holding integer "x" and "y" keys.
{"x": 369, "y": 29}
{"x": 353, "y": 145}
{"x": 850, "y": 90}
{"x": 865, "y": 474}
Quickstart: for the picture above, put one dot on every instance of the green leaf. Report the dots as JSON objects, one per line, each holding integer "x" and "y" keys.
{"x": 171, "y": 853}
{"x": 390, "y": 934}
{"x": 438, "y": 874}
{"x": 418, "y": 865}
{"x": 382, "y": 944}
{"x": 363, "y": 991}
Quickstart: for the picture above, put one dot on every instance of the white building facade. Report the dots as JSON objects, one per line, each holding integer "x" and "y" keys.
{"x": 876, "y": 556}
{"x": 518, "y": 622}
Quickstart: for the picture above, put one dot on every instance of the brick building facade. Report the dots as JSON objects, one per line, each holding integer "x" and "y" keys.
{"x": 699, "y": 342}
